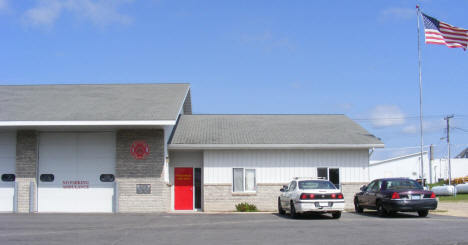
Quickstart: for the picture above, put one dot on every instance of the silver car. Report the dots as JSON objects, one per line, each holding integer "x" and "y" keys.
{"x": 304, "y": 195}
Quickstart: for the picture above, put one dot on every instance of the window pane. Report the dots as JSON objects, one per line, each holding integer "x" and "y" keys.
{"x": 250, "y": 179}
{"x": 322, "y": 173}
{"x": 238, "y": 180}
{"x": 402, "y": 184}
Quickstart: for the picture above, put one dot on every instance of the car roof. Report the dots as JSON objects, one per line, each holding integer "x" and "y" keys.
{"x": 395, "y": 178}
{"x": 309, "y": 178}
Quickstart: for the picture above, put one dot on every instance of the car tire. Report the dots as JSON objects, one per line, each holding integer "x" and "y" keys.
{"x": 423, "y": 213}
{"x": 336, "y": 215}
{"x": 280, "y": 209}
{"x": 294, "y": 215}
{"x": 357, "y": 207}
{"x": 381, "y": 210}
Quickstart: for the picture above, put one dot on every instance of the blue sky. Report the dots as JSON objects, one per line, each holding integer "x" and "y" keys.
{"x": 301, "y": 57}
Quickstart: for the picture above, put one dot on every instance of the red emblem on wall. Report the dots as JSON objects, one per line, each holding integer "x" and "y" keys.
{"x": 139, "y": 149}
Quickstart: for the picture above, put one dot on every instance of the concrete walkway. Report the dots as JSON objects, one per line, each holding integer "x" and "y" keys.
{"x": 459, "y": 209}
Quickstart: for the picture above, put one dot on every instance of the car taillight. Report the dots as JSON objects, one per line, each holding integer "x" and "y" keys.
{"x": 433, "y": 195}
{"x": 395, "y": 195}
{"x": 333, "y": 195}
{"x": 340, "y": 196}
{"x": 307, "y": 196}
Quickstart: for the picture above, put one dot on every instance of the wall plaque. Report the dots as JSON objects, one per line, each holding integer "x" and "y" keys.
{"x": 143, "y": 189}
{"x": 139, "y": 149}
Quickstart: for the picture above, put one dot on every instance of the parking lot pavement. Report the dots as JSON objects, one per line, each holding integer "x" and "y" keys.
{"x": 207, "y": 229}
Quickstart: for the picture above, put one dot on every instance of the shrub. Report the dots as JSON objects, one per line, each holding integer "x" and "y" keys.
{"x": 246, "y": 207}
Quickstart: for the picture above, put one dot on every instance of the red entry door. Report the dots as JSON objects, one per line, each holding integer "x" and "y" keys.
{"x": 183, "y": 188}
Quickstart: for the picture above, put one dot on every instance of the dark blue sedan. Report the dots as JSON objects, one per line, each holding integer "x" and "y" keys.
{"x": 392, "y": 195}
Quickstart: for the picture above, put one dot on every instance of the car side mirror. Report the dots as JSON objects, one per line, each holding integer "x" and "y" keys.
{"x": 363, "y": 187}
{"x": 282, "y": 189}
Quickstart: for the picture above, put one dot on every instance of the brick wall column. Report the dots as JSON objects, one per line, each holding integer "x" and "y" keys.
{"x": 131, "y": 172}
{"x": 26, "y": 165}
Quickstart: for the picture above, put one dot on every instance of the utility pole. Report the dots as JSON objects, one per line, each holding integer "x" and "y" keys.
{"x": 431, "y": 157}
{"x": 447, "y": 118}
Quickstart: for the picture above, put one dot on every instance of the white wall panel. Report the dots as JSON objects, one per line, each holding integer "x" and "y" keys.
{"x": 459, "y": 168}
{"x": 409, "y": 167}
{"x": 7, "y": 166}
{"x": 279, "y": 166}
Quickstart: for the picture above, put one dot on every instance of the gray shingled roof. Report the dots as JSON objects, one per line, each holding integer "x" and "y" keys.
{"x": 91, "y": 102}
{"x": 270, "y": 129}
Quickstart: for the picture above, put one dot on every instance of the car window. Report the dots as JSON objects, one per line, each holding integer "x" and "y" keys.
{"x": 376, "y": 186}
{"x": 402, "y": 184}
{"x": 315, "y": 184}
{"x": 292, "y": 187}
{"x": 370, "y": 186}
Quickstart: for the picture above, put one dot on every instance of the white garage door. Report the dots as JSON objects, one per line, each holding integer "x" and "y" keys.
{"x": 76, "y": 172}
{"x": 7, "y": 171}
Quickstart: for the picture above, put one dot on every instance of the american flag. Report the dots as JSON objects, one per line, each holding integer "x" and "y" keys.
{"x": 438, "y": 32}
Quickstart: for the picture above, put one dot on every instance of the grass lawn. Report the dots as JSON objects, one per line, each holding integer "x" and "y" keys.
{"x": 458, "y": 198}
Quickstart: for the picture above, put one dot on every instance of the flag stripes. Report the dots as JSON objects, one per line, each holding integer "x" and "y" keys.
{"x": 438, "y": 32}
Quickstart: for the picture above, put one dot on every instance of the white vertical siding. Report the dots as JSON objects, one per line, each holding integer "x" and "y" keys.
{"x": 409, "y": 167}
{"x": 279, "y": 166}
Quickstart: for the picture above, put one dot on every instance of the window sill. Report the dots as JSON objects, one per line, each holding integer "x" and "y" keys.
{"x": 244, "y": 193}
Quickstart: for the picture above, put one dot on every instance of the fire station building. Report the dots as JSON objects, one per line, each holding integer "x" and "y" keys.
{"x": 138, "y": 148}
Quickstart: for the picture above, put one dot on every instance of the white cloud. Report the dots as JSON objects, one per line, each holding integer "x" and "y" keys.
{"x": 98, "y": 12}
{"x": 428, "y": 127}
{"x": 398, "y": 13}
{"x": 386, "y": 116}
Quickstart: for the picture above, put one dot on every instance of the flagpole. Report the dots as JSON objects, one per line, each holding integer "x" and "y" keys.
{"x": 418, "y": 12}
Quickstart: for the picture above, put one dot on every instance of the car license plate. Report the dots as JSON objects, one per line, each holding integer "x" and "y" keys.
{"x": 323, "y": 204}
{"x": 416, "y": 197}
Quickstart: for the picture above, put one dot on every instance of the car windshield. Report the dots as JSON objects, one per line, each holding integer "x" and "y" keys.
{"x": 402, "y": 184}
{"x": 315, "y": 184}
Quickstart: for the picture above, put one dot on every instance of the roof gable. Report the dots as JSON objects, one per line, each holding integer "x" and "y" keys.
{"x": 100, "y": 102}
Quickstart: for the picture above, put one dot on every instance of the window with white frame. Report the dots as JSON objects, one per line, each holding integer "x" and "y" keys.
{"x": 243, "y": 180}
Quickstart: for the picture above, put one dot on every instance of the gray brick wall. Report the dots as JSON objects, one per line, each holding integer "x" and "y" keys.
{"x": 26, "y": 165}
{"x": 26, "y": 154}
{"x": 130, "y": 172}
{"x": 219, "y": 197}
{"x": 349, "y": 189}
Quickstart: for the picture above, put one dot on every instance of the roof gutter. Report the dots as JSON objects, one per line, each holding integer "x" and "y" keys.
{"x": 271, "y": 146}
{"x": 87, "y": 123}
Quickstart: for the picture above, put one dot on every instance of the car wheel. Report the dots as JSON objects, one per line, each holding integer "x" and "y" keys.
{"x": 293, "y": 211}
{"x": 357, "y": 207}
{"x": 381, "y": 210}
{"x": 336, "y": 215}
{"x": 423, "y": 213}
{"x": 280, "y": 209}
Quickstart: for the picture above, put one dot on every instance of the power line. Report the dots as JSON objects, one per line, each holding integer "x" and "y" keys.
{"x": 461, "y": 129}
{"x": 407, "y": 117}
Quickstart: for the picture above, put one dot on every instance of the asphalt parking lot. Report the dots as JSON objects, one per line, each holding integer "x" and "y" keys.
{"x": 206, "y": 229}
